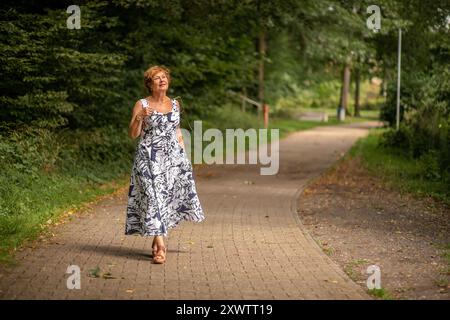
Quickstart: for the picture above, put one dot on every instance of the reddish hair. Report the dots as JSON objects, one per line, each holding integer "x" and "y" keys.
{"x": 148, "y": 75}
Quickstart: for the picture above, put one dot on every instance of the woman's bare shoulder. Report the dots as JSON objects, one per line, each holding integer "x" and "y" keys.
{"x": 140, "y": 103}
{"x": 137, "y": 106}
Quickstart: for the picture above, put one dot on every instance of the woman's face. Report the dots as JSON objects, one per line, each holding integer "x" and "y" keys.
{"x": 160, "y": 82}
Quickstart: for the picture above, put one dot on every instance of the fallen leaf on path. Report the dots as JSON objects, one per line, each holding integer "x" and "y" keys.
{"x": 97, "y": 273}
{"x": 108, "y": 275}
{"x": 332, "y": 281}
{"x": 94, "y": 273}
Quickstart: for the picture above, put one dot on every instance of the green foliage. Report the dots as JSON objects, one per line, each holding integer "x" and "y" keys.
{"x": 230, "y": 116}
{"x": 429, "y": 166}
{"x": 425, "y": 131}
{"x": 425, "y": 89}
{"x": 418, "y": 176}
{"x": 53, "y": 76}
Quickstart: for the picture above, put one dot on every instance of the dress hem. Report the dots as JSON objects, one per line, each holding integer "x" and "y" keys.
{"x": 150, "y": 234}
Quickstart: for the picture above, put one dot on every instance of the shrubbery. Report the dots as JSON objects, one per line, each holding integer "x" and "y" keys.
{"x": 425, "y": 130}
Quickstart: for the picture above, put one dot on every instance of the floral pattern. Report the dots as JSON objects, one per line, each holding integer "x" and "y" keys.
{"x": 162, "y": 189}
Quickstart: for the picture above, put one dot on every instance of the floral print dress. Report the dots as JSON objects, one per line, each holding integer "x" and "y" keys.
{"x": 162, "y": 189}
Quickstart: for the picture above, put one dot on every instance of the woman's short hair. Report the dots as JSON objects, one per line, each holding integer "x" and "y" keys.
{"x": 150, "y": 73}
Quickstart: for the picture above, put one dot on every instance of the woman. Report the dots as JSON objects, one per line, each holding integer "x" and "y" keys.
{"x": 162, "y": 189}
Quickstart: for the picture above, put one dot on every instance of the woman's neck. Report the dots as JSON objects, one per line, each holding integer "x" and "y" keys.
{"x": 159, "y": 97}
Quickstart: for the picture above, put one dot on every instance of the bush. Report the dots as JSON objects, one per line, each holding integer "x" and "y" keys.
{"x": 429, "y": 166}
{"x": 397, "y": 138}
{"x": 425, "y": 130}
{"x": 30, "y": 150}
{"x": 231, "y": 116}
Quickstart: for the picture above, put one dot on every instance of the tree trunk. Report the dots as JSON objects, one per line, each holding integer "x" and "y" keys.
{"x": 345, "y": 88}
{"x": 384, "y": 84}
{"x": 262, "y": 54}
{"x": 357, "y": 92}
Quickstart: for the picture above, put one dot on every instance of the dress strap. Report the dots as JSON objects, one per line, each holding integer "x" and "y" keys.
{"x": 175, "y": 105}
{"x": 144, "y": 103}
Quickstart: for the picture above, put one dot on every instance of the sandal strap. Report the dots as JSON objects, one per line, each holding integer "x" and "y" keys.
{"x": 160, "y": 257}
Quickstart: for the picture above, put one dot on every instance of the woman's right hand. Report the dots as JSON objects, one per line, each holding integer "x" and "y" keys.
{"x": 145, "y": 112}
{"x": 139, "y": 112}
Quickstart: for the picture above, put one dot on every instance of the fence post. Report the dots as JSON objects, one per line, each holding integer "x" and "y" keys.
{"x": 266, "y": 115}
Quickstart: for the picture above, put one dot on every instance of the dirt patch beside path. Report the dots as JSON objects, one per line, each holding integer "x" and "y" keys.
{"x": 358, "y": 222}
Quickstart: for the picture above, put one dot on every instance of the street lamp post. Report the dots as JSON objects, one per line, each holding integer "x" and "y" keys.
{"x": 399, "y": 62}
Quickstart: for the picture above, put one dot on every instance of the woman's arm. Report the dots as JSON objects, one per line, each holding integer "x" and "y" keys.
{"x": 135, "y": 127}
{"x": 137, "y": 118}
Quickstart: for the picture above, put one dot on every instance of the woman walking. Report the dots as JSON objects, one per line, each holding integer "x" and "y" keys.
{"x": 162, "y": 189}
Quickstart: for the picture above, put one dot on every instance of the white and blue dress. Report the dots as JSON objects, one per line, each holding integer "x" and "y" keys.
{"x": 162, "y": 188}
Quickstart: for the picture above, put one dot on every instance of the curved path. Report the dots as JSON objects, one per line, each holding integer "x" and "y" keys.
{"x": 251, "y": 245}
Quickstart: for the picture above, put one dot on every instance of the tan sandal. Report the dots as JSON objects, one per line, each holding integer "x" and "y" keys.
{"x": 160, "y": 256}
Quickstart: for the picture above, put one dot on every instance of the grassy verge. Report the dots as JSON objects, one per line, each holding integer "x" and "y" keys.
{"x": 42, "y": 202}
{"x": 445, "y": 252}
{"x": 381, "y": 293}
{"x": 286, "y": 125}
{"x": 397, "y": 169}
{"x": 45, "y": 175}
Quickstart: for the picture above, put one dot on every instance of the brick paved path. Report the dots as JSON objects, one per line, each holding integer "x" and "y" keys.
{"x": 251, "y": 245}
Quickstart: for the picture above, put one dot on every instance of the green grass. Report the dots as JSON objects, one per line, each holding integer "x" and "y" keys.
{"x": 397, "y": 169}
{"x": 349, "y": 268}
{"x": 286, "y": 125}
{"x": 381, "y": 293}
{"x": 442, "y": 281}
{"x": 328, "y": 250}
{"x": 445, "y": 252}
{"x": 33, "y": 204}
